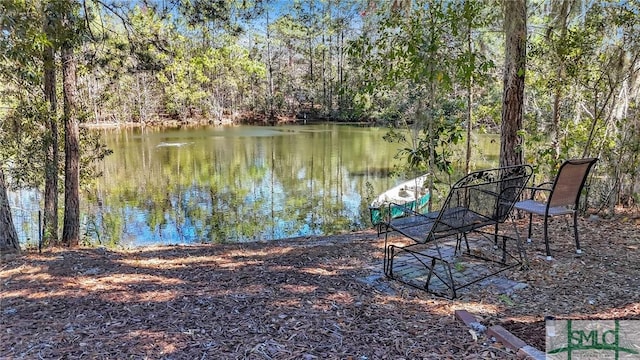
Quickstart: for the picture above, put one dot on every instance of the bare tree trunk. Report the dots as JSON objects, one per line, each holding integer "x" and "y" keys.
{"x": 312, "y": 82}
{"x": 331, "y": 80}
{"x": 50, "y": 227}
{"x": 71, "y": 228}
{"x": 555, "y": 123}
{"x": 323, "y": 72}
{"x": 8, "y": 236}
{"x": 340, "y": 71}
{"x": 467, "y": 164}
{"x": 269, "y": 73}
{"x": 515, "y": 26}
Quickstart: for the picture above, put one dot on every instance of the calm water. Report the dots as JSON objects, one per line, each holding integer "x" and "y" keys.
{"x": 233, "y": 184}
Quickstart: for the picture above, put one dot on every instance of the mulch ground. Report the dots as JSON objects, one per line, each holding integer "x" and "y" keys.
{"x": 317, "y": 298}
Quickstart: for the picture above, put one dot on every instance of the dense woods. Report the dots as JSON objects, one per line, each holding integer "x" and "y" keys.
{"x": 442, "y": 69}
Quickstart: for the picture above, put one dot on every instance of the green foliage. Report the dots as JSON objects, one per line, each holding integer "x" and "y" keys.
{"x": 21, "y": 43}
{"x": 506, "y": 299}
{"x": 93, "y": 151}
{"x": 191, "y": 79}
{"x": 589, "y": 60}
{"x": 416, "y": 60}
{"x": 583, "y": 68}
{"x": 22, "y": 137}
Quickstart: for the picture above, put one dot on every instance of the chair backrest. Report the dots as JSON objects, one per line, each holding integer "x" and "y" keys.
{"x": 570, "y": 181}
{"x": 486, "y": 194}
{"x": 513, "y": 181}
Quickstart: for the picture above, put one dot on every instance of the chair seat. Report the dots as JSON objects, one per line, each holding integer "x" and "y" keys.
{"x": 453, "y": 221}
{"x": 540, "y": 208}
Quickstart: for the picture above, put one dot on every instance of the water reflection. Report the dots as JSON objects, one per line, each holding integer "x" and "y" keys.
{"x": 214, "y": 185}
{"x": 237, "y": 184}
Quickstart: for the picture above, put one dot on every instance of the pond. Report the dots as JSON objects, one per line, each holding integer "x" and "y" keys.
{"x": 245, "y": 183}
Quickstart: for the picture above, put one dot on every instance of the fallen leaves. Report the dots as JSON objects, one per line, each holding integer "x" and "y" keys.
{"x": 318, "y": 298}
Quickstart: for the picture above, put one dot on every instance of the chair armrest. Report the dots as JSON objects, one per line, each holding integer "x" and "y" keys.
{"x": 545, "y": 185}
{"x": 540, "y": 187}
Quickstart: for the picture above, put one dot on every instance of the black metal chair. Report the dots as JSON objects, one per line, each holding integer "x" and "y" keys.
{"x": 563, "y": 197}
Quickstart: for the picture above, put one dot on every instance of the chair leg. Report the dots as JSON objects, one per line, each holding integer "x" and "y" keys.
{"x": 466, "y": 242}
{"x": 530, "y": 227}
{"x": 386, "y": 253}
{"x": 546, "y": 236}
{"x": 575, "y": 232}
{"x": 521, "y": 251}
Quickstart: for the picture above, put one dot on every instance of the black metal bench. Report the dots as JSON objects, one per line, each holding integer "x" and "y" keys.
{"x": 434, "y": 260}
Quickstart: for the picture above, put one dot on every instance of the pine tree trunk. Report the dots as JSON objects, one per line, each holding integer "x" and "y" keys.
{"x": 71, "y": 228}
{"x": 50, "y": 235}
{"x": 469, "y": 81}
{"x": 8, "y": 236}
{"x": 515, "y": 25}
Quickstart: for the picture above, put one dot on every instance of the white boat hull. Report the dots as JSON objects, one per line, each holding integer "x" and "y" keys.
{"x": 411, "y": 193}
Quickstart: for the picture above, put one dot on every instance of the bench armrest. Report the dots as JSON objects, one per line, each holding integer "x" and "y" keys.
{"x": 409, "y": 211}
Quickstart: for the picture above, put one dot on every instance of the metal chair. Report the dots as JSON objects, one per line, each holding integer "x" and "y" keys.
{"x": 563, "y": 197}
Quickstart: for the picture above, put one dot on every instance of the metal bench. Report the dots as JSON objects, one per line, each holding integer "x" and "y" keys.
{"x": 435, "y": 260}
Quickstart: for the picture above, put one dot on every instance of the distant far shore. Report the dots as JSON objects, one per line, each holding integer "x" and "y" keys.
{"x": 250, "y": 119}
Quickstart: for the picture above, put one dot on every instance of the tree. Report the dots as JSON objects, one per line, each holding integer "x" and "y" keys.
{"x": 515, "y": 28}
{"x": 472, "y": 65}
{"x": 50, "y": 221}
{"x": 71, "y": 227}
{"x": 411, "y": 62}
{"x": 8, "y": 236}
{"x": 19, "y": 135}
{"x": 561, "y": 23}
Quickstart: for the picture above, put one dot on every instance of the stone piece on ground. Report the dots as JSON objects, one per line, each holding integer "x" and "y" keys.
{"x": 470, "y": 320}
{"x": 503, "y": 285}
{"x": 377, "y": 281}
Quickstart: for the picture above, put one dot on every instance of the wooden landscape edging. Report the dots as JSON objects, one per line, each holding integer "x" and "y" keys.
{"x": 501, "y": 335}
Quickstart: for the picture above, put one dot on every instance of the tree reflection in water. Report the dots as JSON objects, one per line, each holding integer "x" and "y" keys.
{"x": 214, "y": 185}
